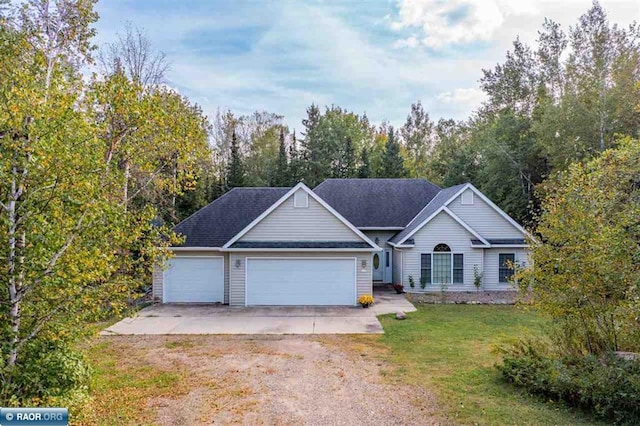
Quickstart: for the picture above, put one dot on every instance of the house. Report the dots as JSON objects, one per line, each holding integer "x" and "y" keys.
{"x": 328, "y": 246}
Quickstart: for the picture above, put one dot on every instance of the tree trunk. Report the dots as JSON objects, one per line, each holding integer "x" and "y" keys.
{"x": 127, "y": 176}
{"x": 15, "y": 265}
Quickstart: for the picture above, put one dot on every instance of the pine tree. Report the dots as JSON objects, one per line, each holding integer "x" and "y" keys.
{"x": 392, "y": 162}
{"x": 235, "y": 170}
{"x": 346, "y": 168}
{"x": 295, "y": 162}
{"x": 280, "y": 175}
{"x": 364, "y": 171}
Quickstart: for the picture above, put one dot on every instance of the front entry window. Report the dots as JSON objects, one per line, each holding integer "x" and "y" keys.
{"x": 376, "y": 261}
{"x": 442, "y": 264}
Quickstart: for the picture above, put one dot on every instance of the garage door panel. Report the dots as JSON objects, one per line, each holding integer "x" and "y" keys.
{"x": 300, "y": 281}
{"x": 194, "y": 280}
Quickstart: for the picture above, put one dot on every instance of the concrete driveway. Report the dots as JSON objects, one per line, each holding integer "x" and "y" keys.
{"x": 220, "y": 319}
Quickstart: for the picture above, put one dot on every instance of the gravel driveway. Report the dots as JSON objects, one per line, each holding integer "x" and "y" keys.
{"x": 277, "y": 380}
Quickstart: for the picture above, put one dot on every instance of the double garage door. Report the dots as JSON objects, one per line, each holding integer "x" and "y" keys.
{"x": 308, "y": 281}
{"x": 266, "y": 281}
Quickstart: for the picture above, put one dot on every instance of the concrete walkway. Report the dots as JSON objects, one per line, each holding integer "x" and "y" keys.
{"x": 220, "y": 319}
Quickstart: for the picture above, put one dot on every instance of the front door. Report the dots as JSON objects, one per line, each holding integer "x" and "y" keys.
{"x": 378, "y": 266}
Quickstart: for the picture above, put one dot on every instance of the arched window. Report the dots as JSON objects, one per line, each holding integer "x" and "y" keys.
{"x": 442, "y": 266}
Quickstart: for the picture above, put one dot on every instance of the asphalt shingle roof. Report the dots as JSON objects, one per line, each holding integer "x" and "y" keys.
{"x": 377, "y": 202}
{"x": 300, "y": 244}
{"x": 219, "y": 221}
{"x": 437, "y": 202}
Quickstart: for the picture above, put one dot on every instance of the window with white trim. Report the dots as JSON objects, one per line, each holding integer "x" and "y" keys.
{"x": 442, "y": 266}
{"x": 505, "y": 266}
{"x": 300, "y": 199}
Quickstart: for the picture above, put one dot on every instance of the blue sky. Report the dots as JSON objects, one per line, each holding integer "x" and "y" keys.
{"x": 373, "y": 56}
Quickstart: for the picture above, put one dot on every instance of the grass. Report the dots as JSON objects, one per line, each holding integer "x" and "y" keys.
{"x": 451, "y": 350}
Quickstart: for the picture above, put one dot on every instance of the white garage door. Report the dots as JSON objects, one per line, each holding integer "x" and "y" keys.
{"x": 194, "y": 279}
{"x": 301, "y": 281}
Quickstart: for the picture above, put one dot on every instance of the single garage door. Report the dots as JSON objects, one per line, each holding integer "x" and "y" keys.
{"x": 194, "y": 280}
{"x": 301, "y": 281}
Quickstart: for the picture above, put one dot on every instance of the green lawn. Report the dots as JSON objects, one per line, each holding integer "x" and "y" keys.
{"x": 450, "y": 349}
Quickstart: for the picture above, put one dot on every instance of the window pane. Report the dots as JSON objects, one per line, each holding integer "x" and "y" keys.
{"x": 425, "y": 268}
{"x": 505, "y": 271}
{"x": 441, "y": 268}
{"x": 458, "y": 269}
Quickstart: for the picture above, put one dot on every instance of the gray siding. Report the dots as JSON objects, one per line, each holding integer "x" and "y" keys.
{"x": 364, "y": 284}
{"x": 483, "y": 218}
{"x": 491, "y": 266}
{"x": 441, "y": 229}
{"x": 158, "y": 273}
{"x": 382, "y": 236}
{"x": 288, "y": 223}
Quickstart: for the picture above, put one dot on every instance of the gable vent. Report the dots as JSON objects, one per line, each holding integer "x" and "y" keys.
{"x": 300, "y": 199}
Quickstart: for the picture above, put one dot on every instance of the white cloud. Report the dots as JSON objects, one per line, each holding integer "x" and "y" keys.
{"x": 465, "y": 98}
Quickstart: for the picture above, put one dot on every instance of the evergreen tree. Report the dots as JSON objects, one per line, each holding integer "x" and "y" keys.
{"x": 313, "y": 168}
{"x": 295, "y": 162}
{"x": 347, "y": 161}
{"x": 235, "y": 170}
{"x": 392, "y": 161}
{"x": 280, "y": 174}
{"x": 364, "y": 171}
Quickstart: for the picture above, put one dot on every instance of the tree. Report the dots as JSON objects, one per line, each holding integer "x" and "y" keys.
{"x": 280, "y": 176}
{"x": 364, "y": 171}
{"x": 418, "y": 136}
{"x": 347, "y": 160}
{"x": 584, "y": 271}
{"x": 392, "y": 162}
{"x": 134, "y": 55}
{"x": 295, "y": 162}
{"x": 235, "y": 171}
{"x": 61, "y": 217}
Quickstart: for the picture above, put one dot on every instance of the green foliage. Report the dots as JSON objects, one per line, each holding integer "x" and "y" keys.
{"x": 281, "y": 176}
{"x": 364, "y": 170}
{"x": 392, "y": 160}
{"x": 609, "y": 387}
{"x": 477, "y": 277}
{"x": 423, "y": 282}
{"x": 585, "y": 272}
{"x": 412, "y": 282}
{"x": 235, "y": 171}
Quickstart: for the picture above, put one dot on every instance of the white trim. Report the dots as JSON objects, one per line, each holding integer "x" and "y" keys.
{"x": 195, "y": 249}
{"x": 465, "y": 226}
{"x": 496, "y": 246}
{"x": 450, "y": 200}
{"x": 295, "y": 250}
{"x": 355, "y": 266}
{"x": 399, "y": 246}
{"x": 496, "y": 208}
{"x": 381, "y": 228}
{"x": 445, "y": 209}
{"x": 164, "y": 287}
{"x": 283, "y": 199}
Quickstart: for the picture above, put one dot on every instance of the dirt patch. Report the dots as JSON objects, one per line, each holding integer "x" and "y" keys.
{"x": 276, "y": 380}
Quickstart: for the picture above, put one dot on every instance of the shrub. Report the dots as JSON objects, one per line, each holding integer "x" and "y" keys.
{"x": 51, "y": 372}
{"x": 412, "y": 283}
{"x": 609, "y": 387}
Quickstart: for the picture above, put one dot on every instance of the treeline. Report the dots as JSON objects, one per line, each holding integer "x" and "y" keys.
{"x": 87, "y": 166}
{"x": 563, "y": 100}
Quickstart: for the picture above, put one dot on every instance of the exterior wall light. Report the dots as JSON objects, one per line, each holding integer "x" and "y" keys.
{"x": 237, "y": 263}
{"x": 364, "y": 265}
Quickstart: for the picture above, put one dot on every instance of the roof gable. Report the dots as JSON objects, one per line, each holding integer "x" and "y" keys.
{"x": 377, "y": 203}
{"x": 217, "y": 222}
{"x": 441, "y": 202}
{"x": 290, "y": 223}
{"x": 278, "y": 221}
